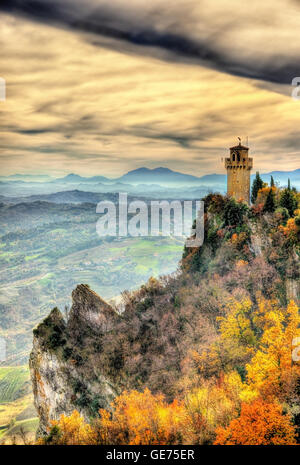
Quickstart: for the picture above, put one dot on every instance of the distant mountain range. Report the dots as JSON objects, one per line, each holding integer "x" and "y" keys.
{"x": 166, "y": 176}
{"x": 157, "y": 176}
{"x": 140, "y": 191}
{"x": 75, "y": 178}
{"x": 161, "y": 176}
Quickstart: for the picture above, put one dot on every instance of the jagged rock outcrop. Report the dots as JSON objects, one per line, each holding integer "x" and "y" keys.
{"x": 90, "y": 310}
{"x": 85, "y": 362}
{"x": 60, "y": 382}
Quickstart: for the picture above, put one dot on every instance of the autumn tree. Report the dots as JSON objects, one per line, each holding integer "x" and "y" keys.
{"x": 292, "y": 230}
{"x": 260, "y": 423}
{"x": 236, "y": 342}
{"x": 141, "y": 418}
{"x": 215, "y": 403}
{"x": 272, "y": 372}
{"x": 69, "y": 430}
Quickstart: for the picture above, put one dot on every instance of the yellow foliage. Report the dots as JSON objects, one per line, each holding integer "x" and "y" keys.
{"x": 237, "y": 325}
{"x": 291, "y": 230}
{"x": 272, "y": 372}
{"x": 70, "y": 430}
{"x": 263, "y": 194}
{"x": 141, "y": 418}
{"x": 236, "y": 342}
{"x": 214, "y": 403}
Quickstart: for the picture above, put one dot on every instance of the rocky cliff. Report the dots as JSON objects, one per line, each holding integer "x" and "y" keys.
{"x": 60, "y": 382}
{"x": 84, "y": 362}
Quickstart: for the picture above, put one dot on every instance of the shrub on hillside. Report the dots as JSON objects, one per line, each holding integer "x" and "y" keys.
{"x": 234, "y": 212}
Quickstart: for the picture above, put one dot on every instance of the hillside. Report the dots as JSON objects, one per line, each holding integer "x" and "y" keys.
{"x": 47, "y": 248}
{"x": 201, "y": 331}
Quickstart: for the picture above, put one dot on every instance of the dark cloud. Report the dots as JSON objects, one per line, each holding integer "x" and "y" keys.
{"x": 33, "y": 132}
{"x": 120, "y": 21}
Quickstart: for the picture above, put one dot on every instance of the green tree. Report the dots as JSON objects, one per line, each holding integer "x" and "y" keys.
{"x": 257, "y": 184}
{"x": 288, "y": 200}
{"x": 234, "y": 213}
{"x": 270, "y": 202}
{"x": 272, "y": 184}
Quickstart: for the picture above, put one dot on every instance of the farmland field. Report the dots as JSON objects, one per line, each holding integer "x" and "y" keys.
{"x": 17, "y": 413}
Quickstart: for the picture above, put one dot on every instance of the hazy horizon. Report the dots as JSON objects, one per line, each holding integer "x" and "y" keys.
{"x": 82, "y": 174}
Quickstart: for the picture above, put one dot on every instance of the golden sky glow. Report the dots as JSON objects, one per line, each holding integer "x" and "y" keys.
{"x": 103, "y": 108}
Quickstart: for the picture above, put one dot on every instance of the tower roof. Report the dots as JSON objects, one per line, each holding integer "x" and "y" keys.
{"x": 239, "y": 146}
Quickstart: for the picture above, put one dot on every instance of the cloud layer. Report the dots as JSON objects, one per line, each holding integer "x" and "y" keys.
{"x": 253, "y": 39}
{"x": 98, "y": 102}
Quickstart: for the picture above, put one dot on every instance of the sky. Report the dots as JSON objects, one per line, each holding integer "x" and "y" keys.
{"x": 106, "y": 86}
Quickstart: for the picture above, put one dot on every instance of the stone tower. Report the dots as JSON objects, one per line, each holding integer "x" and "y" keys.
{"x": 238, "y": 167}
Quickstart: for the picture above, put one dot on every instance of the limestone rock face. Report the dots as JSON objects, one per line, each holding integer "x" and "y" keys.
{"x": 293, "y": 289}
{"x": 90, "y": 310}
{"x": 63, "y": 375}
{"x": 261, "y": 245}
{"x": 260, "y": 242}
{"x": 293, "y": 278}
{"x": 52, "y": 393}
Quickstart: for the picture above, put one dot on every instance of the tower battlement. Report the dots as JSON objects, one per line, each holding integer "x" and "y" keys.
{"x": 238, "y": 166}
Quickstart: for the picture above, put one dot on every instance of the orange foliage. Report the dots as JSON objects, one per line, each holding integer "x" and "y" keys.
{"x": 241, "y": 264}
{"x": 260, "y": 423}
{"x": 141, "y": 418}
{"x": 72, "y": 430}
{"x": 234, "y": 238}
{"x": 291, "y": 230}
{"x": 263, "y": 194}
{"x": 238, "y": 240}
